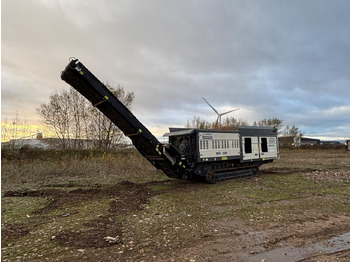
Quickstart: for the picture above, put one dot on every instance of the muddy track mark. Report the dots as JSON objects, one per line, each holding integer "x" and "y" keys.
{"x": 127, "y": 197}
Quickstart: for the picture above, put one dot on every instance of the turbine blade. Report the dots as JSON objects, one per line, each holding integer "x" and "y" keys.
{"x": 210, "y": 106}
{"x": 230, "y": 111}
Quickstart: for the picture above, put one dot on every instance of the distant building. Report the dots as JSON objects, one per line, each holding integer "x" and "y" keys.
{"x": 309, "y": 141}
{"x": 31, "y": 142}
{"x": 297, "y": 141}
{"x": 331, "y": 142}
{"x": 47, "y": 143}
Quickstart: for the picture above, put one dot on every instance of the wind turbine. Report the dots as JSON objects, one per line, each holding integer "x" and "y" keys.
{"x": 218, "y": 120}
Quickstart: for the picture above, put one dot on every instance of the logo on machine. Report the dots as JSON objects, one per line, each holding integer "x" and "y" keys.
{"x": 207, "y": 136}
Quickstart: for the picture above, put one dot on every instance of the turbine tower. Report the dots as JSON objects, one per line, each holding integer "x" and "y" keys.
{"x": 218, "y": 120}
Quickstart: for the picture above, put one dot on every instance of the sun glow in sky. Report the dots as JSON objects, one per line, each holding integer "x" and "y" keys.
{"x": 17, "y": 131}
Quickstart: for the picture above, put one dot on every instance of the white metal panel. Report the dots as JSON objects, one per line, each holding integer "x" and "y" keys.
{"x": 272, "y": 149}
{"x": 218, "y": 145}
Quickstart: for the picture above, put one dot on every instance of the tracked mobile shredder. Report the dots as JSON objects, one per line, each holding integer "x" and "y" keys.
{"x": 213, "y": 155}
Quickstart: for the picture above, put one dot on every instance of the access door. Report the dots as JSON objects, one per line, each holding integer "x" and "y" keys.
{"x": 268, "y": 147}
{"x": 250, "y": 147}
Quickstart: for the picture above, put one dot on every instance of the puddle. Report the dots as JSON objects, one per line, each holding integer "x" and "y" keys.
{"x": 293, "y": 254}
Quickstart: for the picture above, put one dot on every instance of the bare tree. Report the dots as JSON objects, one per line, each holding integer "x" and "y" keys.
{"x": 229, "y": 123}
{"x": 80, "y": 115}
{"x": 271, "y": 122}
{"x": 57, "y": 115}
{"x": 103, "y": 131}
{"x": 197, "y": 122}
{"x": 293, "y": 131}
{"x": 73, "y": 119}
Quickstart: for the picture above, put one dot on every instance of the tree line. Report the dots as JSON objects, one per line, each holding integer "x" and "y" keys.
{"x": 231, "y": 123}
{"x": 76, "y": 122}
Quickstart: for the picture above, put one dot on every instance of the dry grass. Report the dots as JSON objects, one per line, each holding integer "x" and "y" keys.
{"x": 76, "y": 169}
{"x": 320, "y": 159}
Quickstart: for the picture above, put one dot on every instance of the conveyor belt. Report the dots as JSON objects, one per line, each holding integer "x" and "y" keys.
{"x": 81, "y": 79}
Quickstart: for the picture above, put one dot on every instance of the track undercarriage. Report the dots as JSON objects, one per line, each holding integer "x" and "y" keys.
{"x": 214, "y": 176}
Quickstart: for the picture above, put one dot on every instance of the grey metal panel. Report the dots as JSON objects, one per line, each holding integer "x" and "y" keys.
{"x": 175, "y": 129}
{"x": 257, "y": 130}
{"x": 180, "y": 133}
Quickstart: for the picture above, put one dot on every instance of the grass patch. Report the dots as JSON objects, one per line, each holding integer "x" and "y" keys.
{"x": 19, "y": 210}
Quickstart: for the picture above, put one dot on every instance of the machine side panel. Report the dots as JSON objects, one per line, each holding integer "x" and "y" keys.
{"x": 217, "y": 146}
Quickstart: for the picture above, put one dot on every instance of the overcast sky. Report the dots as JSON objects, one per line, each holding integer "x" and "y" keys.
{"x": 285, "y": 59}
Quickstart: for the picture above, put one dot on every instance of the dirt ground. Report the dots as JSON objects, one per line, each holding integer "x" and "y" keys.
{"x": 296, "y": 209}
